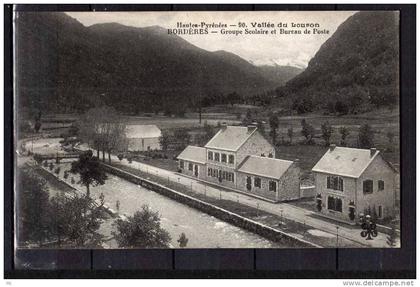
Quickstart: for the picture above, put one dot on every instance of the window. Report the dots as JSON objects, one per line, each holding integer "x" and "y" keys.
{"x": 181, "y": 164}
{"x": 210, "y": 155}
{"x": 231, "y": 159}
{"x": 217, "y": 156}
{"x": 368, "y": 186}
{"x": 272, "y": 186}
{"x": 209, "y": 171}
{"x": 335, "y": 204}
{"x": 335, "y": 183}
{"x": 223, "y": 174}
{"x": 224, "y": 157}
{"x": 380, "y": 211}
{"x": 257, "y": 182}
{"x": 190, "y": 166}
{"x": 230, "y": 176}
{"x": 270, "y": 155}
{"x": 220, "y": 173}
{"x": 381, "y": 185}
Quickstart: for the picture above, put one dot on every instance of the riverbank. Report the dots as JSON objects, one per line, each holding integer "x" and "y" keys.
{"x": 216, "y": 211}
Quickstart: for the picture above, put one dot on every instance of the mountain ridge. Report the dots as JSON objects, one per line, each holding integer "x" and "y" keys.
{"x": 130, "y": 68}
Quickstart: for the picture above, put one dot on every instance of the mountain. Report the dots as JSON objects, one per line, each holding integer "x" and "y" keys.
{"x": 355, "y": 70}
{"x": 65, "y": 66}
{"x": 280, "y": 74}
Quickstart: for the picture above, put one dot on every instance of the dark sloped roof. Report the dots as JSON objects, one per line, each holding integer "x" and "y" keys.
{"x": 230, "y": 138}
{"x": 265, "y": 166}
{"x": 193, "y": 153}
{"x": 344, "y": 161}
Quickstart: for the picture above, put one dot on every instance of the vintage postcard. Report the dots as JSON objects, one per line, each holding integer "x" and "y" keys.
{"x": 240, "y": 129}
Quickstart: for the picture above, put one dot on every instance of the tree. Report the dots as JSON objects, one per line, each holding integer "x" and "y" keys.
{"x": 308, "y": 131}
{"x": 274, "y": 125}
{"x": 365, "y": 136}
{"x": 182, "y": 240}
{"x": 248, "y": 118}
{"x": 290, "y": 134}
{"x": 164, "y": 141}
{"x": 89, "y": 170}
{"x": 33, "y": 207}
{"x": 344, "y": 131}
{"x": 327, "y": 131}
{"x": 142, "y": 230}
{"x": 37, "y": 126}
{"x": 183, "y": 137}
{"x": 76, "y": 221}
{"x": 261, "y": 127}
{"x": 392, "y": 237}
{"x": 103, "y": 129}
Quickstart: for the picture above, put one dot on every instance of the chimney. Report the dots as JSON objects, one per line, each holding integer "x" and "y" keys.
{"x": 251, "y": 128}
{"x": 332, "y": 147}
{"x": 372, "y": 152}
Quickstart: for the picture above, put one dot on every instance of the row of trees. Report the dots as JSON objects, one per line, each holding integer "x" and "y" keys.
{"x": 103, "y": 129}
{"x": 75, "y": 221}
{"x": 365, "y": 135}
{"x": 59, "y": 221}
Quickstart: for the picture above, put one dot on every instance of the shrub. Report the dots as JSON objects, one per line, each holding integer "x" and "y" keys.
{"x": 57, "y": 170}
{"x": 45, "y": 163}
{"x": 66, "y": 174}
{"x": 72, "y": 180}
{"x": 366, "y": 136}
{"x": 38, "y": 158}
{"x": 319, "y": 202}
{"x": 120, "y": 156}
{"x": 51, "y": 166}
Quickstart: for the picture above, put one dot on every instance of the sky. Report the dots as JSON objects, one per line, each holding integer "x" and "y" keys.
{"x": 281, "y": 49}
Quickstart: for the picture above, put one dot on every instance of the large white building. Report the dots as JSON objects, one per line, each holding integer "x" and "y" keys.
{"x": 242, "y": 159}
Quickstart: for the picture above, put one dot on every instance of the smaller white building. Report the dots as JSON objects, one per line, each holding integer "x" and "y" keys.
{"x": 143, "y": 137}
{"x": 350, "y": 181}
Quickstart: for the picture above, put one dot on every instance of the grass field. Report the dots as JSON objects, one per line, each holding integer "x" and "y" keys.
{"x": 382, "y": 121}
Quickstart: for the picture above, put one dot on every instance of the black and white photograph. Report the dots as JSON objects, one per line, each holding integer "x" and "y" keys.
{"x": 206, "y": 129}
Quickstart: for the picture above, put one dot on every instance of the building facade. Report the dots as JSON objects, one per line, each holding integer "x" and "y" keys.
{"x": 351, "y": 181}
{"x": 241, "y": 158}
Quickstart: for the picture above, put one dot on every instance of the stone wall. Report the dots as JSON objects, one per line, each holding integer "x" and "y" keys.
{"x": 378, "y": 170}
{"x": 288, "y": 187}
{"x": 347, "y": 195}
{"x": 256, "y": 145}
{"x": 222, "y": 214}
{"x": 201, "y": 169}
{"x": 263, "y": 191}
{"x": 289, "y": 184}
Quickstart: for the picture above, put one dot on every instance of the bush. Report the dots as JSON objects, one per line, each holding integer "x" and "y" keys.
{"x": 57, "y": 170}
{"x": 72, "y": 180}
{"x": 66, "y": 174}
{"x": 51, "y": 166}
{"x": 120, "y": 156}
{"x": 45, "y": 163}
{"x": 38, "y": 158}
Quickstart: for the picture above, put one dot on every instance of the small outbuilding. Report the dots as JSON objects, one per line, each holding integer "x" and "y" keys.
{"x": 143, "y": 137}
